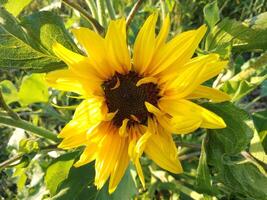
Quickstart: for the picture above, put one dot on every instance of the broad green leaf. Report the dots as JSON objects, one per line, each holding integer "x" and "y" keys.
{"x": 15, "y": 6}
{"x": 78, "y": 185}
{"x": 203, "y": 179}
{"x": 260, "y": 120}
{"x": 237, "y": 135}
{"x": 257, "y": 22}
{"x": 211, "y": 14}
{"x": 242, "y": 181}
{"x": 235, "y": 35}
{"x": 9, "y": 91}
{"x": 47, "y": 28}
{"x": 17, "y": 51}
{"x": 256, "y": 148}
{"x": 253, "y": 73}
{"x": 125, "y": 190}
{"x": 58, "y": 171}
{"x": 264, "y": 89}
{"x": 33, "y": 89}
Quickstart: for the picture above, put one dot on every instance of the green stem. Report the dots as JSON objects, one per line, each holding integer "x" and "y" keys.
{"x": 133, "y": 12}
{"x": 92, "y": 7}
{"x": 84, "y": 13}
{"x": 28, "y": 127}
{"x": 189, "y": 155}
{"x": 190, "y": 145}
{"x": 10, "y": 161}
{"x": 111, "y": 10}
{"x": 9, "y": 111}
{"x": 101, "y": 12}
{"x": 163, "y": 9}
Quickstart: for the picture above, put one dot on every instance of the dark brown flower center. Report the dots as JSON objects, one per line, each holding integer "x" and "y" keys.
{"x": 122, "y": 95}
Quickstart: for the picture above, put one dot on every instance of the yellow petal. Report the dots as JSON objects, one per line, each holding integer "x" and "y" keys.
{"x": 209, "y": 93}
{"x": 164, "y": 31}
{"x": 68, "y": 56}
{"x": 105, "y": 162}
{"x": 123, "y": 128}
{"x": 144, "y": 45}
{"x": 88, "y": 155}
{"x": 120, "y": 167}
{"x": 177, "y": 51}
{"x": 65, "y": 80}
{"x": 189, "y": 109}
{"x": 90, "y": 111}
{"x": 95, "y": 47}
{"x": 162, "y": 150}
{"x": 75, "y": 140}
{"x": 146, "y": 80}
{"x": 79, "y": 64}
{"x": 117, "y": 49}
{"x": 185, "y": 124}
{"x": 197, "y": 71}
{"x": 131, "y": 152}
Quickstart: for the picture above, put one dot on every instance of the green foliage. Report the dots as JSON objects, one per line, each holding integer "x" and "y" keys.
{"x": 231, "y": 34}
{"x": 46, "y": 28}
{"x": 211, "y": 14}
{"x": 16, "y": 50}
{"x": 58, "y": 171}
{"x": 15, "y": 7}
{"x": 9, "y": 91}
{"x": 126, "y": 189}
{"x": 33, "y": 89}
{"x": 28, "y": 146}
{"x": 223, "y": 148}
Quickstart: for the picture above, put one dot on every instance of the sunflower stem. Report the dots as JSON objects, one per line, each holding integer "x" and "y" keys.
{"x": 111, "y": 10}
{"x": 18, "y": 123}
{"x": 11, "y": 160}
{"x": 9, "y": 111}
{"x": 190, "y": 145}
{"x": 101, "y": 12}
{"x": 189, "y": 155}
{"x": 163, "y": 9}
{"x": 133, "y": 12}
{"x": 84, "y": 13}
{"x": 92, "y": 6}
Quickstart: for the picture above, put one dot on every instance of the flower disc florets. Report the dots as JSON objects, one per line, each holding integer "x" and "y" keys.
{"x": 128, "y": 100}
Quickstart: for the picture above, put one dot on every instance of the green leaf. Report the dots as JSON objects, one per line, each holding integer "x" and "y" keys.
{"x": 33, "y": 89}
{"x": 211, "y": 14}
{"x": 125, "y": 190}
{"x": 47, "y": 28}
{"x": 9, "y": 91}
{"x": 58, "y": 171}
{"x": 260, "y": 119}
{"x": 256, "y": 148}
{"x": 237, "y": 135}
{"x": 241, "y": 181}
{"x": 235, "y": 35}
{"x": 15, "y": 7}
{"x": 244, "y": 180}
{"x": 203, "y": 179}
{"x": 19, "y": 51}
{"x": 78, "y": 185}
{"x": 253, "y": 74}
{"x": 264, "y": 89}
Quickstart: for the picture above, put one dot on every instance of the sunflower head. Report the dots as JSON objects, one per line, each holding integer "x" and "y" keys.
{"x": 133, "y": 106}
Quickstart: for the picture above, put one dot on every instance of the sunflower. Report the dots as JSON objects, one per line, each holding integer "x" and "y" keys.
{"x": 133, "y": 106}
